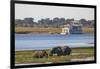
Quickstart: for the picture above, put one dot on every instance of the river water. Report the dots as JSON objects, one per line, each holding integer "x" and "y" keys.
{"x": 34, "y": 41}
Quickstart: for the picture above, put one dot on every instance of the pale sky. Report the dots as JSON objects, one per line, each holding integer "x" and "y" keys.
{"x": 44, "y": 11}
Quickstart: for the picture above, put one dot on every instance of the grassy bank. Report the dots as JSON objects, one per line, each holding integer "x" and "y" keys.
{"x": 37, "y": 29}
{"x": 77, "y": 53}
{"x": 47, "y": 30}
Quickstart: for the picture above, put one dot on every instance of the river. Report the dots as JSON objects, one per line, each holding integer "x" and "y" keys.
{"x": 35, "y": 41}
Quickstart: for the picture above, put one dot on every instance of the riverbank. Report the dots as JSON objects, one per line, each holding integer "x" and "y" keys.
{"x": 25, "y": 30}
{"x": 78, "y": 54}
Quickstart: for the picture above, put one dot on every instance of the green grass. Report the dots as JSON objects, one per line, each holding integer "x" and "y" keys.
{"x": 26, "y": 56}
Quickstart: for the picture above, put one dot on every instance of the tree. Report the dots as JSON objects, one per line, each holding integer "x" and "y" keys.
{"x": 18, "y": 22}
{"x": 28, "y": 21}
{"x": 62, "y": 21}
{"x": 83, "y": 22}
{"x": 68, "y": 21}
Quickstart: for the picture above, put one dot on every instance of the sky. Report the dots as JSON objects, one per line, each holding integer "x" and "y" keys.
{"x": 44, "y": 11}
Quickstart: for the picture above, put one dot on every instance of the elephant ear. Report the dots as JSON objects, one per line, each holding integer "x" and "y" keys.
{"x": 68, "y": 50}
{"x": 62, "y": 49}
{"x": 34, "y": 54}
{"x": 45, "y": 54}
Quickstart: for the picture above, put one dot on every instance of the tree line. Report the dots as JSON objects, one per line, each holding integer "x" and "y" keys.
{"x": 47, "y": 22}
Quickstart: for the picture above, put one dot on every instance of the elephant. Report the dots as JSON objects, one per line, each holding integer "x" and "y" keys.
{"x": 40, "y": 54}
{"x": 56, "y": 50}
{"x": 66, "y": 50}
{"x": 60, "y": 51}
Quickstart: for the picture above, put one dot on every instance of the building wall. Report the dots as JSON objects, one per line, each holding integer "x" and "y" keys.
{"x": 76, "y": 30}
{"x": 65, "y": 30}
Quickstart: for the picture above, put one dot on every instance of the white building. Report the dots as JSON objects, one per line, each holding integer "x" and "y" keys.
{"x": 65, "y": 30}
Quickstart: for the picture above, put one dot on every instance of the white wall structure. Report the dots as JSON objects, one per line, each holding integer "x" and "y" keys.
{"x": 65, "y": 30}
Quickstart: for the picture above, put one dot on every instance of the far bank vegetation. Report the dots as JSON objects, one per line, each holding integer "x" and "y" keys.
{"x": 55, "y": 25}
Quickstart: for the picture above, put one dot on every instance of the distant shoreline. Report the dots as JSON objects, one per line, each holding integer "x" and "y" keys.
{"x": 26, "y": 30}
{"x": 50, "y": 48}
